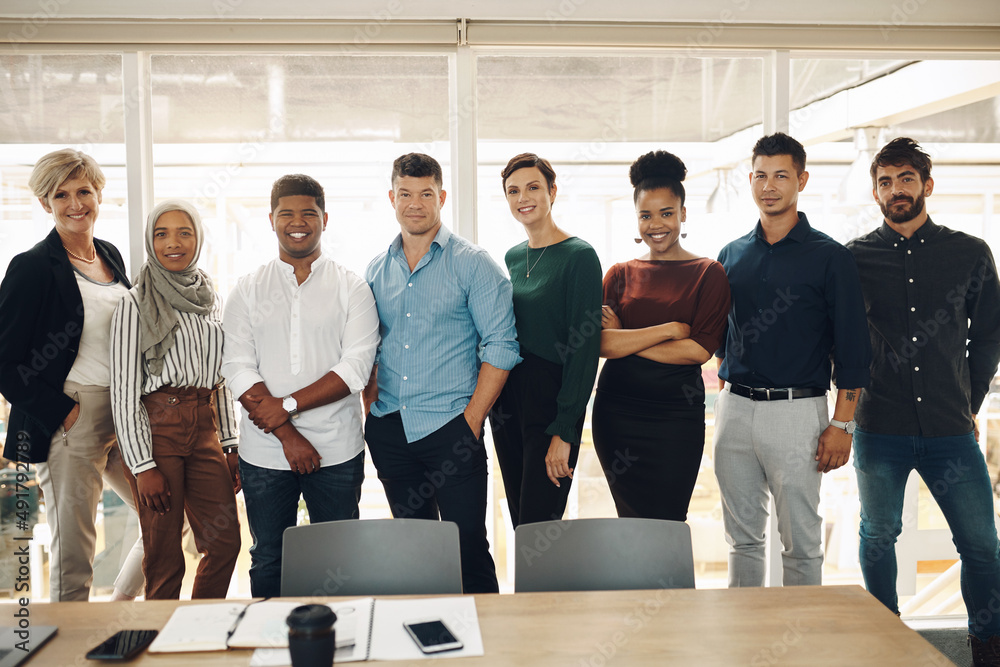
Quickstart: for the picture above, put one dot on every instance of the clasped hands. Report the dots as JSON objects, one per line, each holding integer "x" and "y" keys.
{"x": 267, "y": 413}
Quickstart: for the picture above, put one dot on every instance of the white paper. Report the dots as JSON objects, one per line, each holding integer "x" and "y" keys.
{"x": 352, "y": 628}
{"x": 197, "y": 627}
{"x": 390, "y": 640}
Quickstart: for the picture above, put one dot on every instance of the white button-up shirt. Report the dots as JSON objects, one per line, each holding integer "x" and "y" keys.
{"x": 288, "y": 336}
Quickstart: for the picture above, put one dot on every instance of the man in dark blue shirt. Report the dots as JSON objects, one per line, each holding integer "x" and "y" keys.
{"x": 934, "y": 312}
{"x": 796, "y": 302}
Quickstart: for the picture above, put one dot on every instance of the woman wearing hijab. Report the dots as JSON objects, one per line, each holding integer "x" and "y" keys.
{"x": 173, "y": 414}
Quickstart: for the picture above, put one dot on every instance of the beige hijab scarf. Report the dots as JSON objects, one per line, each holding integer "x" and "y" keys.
{"x": 161, "y": 293}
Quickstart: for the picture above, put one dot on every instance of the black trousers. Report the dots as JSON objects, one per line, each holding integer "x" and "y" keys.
{"x": 526, "y": 407}
{"x": 442, "y": 475}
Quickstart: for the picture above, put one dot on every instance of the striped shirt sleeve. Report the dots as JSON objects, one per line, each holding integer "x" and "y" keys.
{"x": 127, "y": 378}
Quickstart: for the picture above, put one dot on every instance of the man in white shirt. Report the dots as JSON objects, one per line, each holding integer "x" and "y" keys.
{"x": 301, "y": 334}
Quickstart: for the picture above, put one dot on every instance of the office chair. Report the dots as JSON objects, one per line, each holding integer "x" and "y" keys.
{"x": 603, "y": 554}
{"x": 371, "y": 557}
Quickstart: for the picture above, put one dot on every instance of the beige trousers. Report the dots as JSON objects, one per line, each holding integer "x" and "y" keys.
{"x": 80, "y": 461}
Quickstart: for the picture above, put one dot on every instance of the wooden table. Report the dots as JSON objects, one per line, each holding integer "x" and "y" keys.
{"x": 815, "y": 626}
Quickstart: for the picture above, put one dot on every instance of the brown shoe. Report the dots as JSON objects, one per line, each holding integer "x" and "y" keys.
{"x": 985, "y": 654}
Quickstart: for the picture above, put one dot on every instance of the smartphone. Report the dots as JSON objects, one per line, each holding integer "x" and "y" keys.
{"x": 123, "y": 645}
{"x": 432, "y": 636}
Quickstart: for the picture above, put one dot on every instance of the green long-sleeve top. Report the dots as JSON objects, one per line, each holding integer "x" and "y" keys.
{"x": 558, "y": 317}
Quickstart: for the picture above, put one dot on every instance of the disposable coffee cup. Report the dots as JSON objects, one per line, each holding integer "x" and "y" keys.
{"x": 311, "y": 637}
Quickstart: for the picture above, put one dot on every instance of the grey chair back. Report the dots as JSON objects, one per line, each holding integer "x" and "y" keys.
{"x": 603, "y": 554}
{"x": 371, "y": 557}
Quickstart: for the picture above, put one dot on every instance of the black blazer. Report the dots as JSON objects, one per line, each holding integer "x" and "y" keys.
{"x": 41, "y": 321}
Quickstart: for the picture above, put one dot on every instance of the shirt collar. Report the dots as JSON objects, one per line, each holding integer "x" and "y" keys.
{"x": 797, "y": 233}
{"x": 927, "y": 231}
{"x": 288, "y": 269}
{"x": 442, "y": 238}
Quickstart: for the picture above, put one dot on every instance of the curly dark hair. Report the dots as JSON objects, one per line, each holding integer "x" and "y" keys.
{"x": 658, "y": 170}
{"x": 900, "y": 151}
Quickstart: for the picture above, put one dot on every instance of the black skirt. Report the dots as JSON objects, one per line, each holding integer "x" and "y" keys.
{"x": 649, "y": 433}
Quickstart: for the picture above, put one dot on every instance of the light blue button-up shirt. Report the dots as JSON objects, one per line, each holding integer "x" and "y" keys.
{"x": 438, "y": 323}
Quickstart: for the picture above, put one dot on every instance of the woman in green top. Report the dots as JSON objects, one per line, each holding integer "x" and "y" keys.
{"x": 538, "y": 418}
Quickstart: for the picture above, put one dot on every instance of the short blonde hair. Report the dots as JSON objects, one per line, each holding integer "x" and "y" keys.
{"x": 58, "y": 167}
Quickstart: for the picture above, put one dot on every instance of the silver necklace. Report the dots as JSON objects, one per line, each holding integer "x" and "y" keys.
{"x": 539, "y": 258}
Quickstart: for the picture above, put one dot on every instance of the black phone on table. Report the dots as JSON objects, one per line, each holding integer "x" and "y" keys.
{"x": 432, "y": 636}
{"x": 123, "y": 645}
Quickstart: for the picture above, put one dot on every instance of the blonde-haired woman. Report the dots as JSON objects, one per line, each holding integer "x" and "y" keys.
{"x": 56, "y": 302}
{"x": 174, "y": 415}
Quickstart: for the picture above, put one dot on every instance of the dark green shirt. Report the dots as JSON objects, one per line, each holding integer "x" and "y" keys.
{"x": 558, "y": 317}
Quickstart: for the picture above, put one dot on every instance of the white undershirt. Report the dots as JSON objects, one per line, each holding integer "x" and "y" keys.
{"x": 93, "y": 360}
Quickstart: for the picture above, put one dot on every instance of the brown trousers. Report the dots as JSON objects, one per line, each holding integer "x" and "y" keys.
{"x": 187, "y": 451}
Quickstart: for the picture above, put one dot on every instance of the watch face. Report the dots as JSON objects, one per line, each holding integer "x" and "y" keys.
{"x": 850, "y": 426}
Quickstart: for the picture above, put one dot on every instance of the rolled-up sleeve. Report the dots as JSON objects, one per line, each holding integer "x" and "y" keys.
{"x": 239, "y": 353}
{"x": 361, "y": 338}
{"x": 491, "y": 304}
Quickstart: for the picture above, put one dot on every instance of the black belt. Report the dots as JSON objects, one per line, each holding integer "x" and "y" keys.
{"x": 756, "y": 394}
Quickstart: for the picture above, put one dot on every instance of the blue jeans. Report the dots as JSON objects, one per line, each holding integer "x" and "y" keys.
{"x": 272, "y": 497}
{"x": 955, "y": 472}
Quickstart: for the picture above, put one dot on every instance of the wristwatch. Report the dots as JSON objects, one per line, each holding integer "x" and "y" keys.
{"x": 848, "y": 427}
{"x": 230, "y": 449}
{"x": 290, "y": 405}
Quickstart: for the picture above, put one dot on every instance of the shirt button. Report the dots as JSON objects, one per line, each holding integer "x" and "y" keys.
{"x": 404, "y": 407}
{"x": 405, "y": 378}
{"x": 912, "y": 309}
{"x": 916, "y": 368}
{"x": 760, "y": 310}
{"x": 911, "y": 280}
{"x": 921, "y": 240}
{"x": 914, "y": 339}
{"x": 409, "y": 284}
{"x": 919, "y": 399}
{"x": 895, "y": 245}
{"x": 406, "y": 347}
{"x": 409, "y": 314}
{"x": 909, "y": 252}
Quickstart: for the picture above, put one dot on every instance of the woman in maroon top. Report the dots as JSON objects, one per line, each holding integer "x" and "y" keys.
{"x": 664, "y": 316}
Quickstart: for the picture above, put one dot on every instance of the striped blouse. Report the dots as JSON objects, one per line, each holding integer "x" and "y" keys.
{"x": 193, "y": 361}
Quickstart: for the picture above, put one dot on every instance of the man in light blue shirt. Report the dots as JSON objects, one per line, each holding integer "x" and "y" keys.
{"x": 448, "y": 341}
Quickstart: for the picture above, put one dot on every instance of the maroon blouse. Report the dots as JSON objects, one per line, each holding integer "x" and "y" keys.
{"x": 644, "y": 293}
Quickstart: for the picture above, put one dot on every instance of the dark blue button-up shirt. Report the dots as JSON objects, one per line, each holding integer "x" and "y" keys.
{"x": 796, "y": 304}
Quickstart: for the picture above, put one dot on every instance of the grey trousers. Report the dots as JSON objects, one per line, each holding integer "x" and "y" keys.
{"x": 770, "y": 446}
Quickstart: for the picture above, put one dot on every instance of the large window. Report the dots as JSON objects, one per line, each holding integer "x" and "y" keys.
{"x": 225, "y": 124}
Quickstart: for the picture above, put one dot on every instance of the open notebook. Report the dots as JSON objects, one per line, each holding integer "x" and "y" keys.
{"x": 367, "y": 629}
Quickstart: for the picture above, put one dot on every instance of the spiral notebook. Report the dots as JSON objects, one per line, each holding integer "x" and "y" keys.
{"x": 367, "y": 629}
